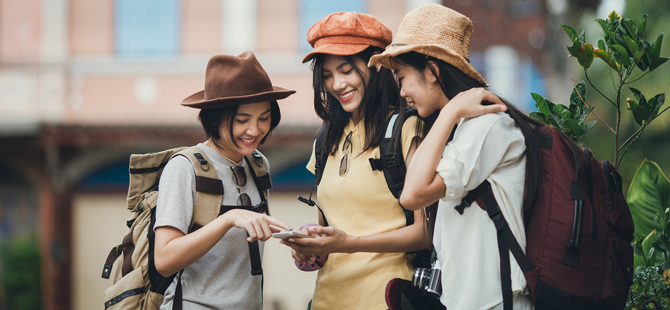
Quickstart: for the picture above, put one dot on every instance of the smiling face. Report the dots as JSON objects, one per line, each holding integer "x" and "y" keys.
{"x": 343, "y": 82}
{"x": 250, "y": 124}
{"x": 421, "y": 88}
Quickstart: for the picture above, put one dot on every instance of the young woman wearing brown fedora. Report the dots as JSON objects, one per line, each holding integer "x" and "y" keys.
{"x": 238, "y": 110}
{"x": 366, "y": 239}
{"x": 430, "y": 58}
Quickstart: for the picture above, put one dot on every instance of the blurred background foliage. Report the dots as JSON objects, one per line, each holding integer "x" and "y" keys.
{"x": 653, "y": 144}
{"x": 20, "y": 273}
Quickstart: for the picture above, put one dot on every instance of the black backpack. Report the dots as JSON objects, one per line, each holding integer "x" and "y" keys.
{"x": 390, "y": 162}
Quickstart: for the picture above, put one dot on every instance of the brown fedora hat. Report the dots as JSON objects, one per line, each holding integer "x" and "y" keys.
{"x": 436, "y": 31}
{"x": 346, "y": 33}
{"x": 235, "y": 80}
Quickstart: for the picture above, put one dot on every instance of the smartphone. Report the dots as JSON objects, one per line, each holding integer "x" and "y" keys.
{"x": 290, "y": 234}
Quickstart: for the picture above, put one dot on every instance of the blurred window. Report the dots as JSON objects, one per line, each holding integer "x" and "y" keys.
{"x": 147, "y": 27}
{"x": 312, "y": 11}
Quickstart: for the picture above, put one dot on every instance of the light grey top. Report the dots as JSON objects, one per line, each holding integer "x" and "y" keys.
{"x": 222, "y": 278}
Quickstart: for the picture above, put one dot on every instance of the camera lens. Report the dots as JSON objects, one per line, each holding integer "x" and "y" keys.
{"x": 421, "y": 277}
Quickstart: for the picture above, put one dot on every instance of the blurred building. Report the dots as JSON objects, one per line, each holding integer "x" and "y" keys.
{"x": 85, "y": 83}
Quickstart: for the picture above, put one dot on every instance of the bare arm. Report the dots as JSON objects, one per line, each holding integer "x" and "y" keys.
{"x": 423, "y": 185}
{"x": 175, "y": 251}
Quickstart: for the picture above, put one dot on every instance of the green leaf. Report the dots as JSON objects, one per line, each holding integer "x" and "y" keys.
{"x": 631, "y": 28}
{"x": 578, "y": 94}
{"x": 663, "y": 242}
{"x": 643, "y": 25}
{"x": 655, "y": 55}
{"x": 646, "y": 60}
{"x": 656, "y": 47}
{"x": 657, "y": 63}
{"x": 607, "y": 58}
{"x": 623, "y": 57}
{"x": 639, "y": 96}
{"x": 601, "y": 44}
{"x": 614, "y": 17}
{"x": 562, "y": 111}
{"x": 541, "y": 104}
{"x": 574, "y": 49}
{"x": 649, "y": 193}
{"x": 641, "y": 112}
{"x": 647, "y": 245}
{"x": 574, "y": 127}
{"x": 603, "y": 24}
{"x": 654, "y": 105}
{"x": 570, "y": 32}
{"x": 587, "y": 127}
{"x": 585, "y": 55}
{"x": 538, "y": 117}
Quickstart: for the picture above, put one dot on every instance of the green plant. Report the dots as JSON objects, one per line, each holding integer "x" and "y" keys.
{"x": 624, "y": 50}
{"x": 20, "y": 273}
{"x": 649, "y": 201}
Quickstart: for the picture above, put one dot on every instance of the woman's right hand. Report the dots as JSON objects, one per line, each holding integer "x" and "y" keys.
{"x": 257, "y": 225}
{"x": 468, "y": 104}
{"x": 298, "y": 257}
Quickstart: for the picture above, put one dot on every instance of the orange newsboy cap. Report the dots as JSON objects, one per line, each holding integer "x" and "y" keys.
{"x": 346, "y": 33}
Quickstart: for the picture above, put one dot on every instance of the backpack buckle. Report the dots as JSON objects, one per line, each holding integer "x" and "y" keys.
{"x": 204, "y": 165}
{"x": 391, "y": 160}
{"x": 376, "y": 163}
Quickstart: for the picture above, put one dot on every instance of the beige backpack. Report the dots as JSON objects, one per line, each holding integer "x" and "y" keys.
{"x": 136, "y": 283}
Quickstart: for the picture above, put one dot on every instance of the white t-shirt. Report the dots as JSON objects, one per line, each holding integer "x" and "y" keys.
{"x": 221, "y": 279}
{"x": 489, "y": 147}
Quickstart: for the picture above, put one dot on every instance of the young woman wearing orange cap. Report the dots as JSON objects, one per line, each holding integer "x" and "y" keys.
{"x": 367, "y": 237}
{"x": 238, "y": 111}
{"x": 430, "y": 58}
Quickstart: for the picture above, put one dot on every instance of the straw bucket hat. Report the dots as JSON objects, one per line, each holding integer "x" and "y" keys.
{"x": 436, "y": 31}
{"x": 235, "y": 80}
{"x": 346, "y": 33}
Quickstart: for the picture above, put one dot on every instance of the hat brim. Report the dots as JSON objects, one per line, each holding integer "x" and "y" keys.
{"x": 336, "y": 49}
{"x": 436, "y": 51}
{"x": 198, "y": 100}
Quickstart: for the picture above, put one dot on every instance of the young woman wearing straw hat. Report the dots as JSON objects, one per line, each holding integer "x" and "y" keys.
{"x": 367, "y": 237}
{"x": 430, "y": 57}
{"x": 238, "y": 110}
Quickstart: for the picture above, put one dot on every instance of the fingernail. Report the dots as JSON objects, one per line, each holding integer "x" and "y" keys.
{"x": 291, "y": 240}
{"x": 290, "y": 228}
{"x": 312, "y": 228}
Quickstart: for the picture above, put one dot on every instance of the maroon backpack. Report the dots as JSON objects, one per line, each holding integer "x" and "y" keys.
{"x": 578, "y": 252}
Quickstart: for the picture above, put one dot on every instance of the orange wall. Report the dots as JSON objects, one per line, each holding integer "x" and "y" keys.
{"x": 91, "y": 27}
{"x": 201, "y": 26}
{"x": 20, "y": 30}
{"x": 278, "y": 26}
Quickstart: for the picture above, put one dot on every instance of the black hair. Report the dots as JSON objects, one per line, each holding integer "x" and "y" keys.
{"x": 211, "y": 120}
{"x": 453, "y": 81}
{"x": 381, "y": 96}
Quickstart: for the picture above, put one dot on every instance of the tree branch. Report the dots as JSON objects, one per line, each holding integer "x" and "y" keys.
{"x": 608, "y": 99}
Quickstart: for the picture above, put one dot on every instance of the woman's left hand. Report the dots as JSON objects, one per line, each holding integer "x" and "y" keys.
{"x": 469, "y": 104}
{"x": 328, "y": 240}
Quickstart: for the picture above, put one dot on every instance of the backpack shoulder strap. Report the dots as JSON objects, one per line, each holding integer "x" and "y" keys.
{"x": 208, "y": 187}
{"x": 320, "y": 154}
{"x": 260, "y": 174}
{"x": 391, "y": 160}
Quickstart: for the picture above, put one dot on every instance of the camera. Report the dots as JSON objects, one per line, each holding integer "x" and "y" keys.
{"x": 429, "y": 279}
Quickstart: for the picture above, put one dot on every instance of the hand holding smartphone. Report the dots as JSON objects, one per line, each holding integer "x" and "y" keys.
{"x": 290, "y": 234}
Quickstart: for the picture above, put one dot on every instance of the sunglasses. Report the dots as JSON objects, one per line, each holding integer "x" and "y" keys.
{"x": 346, "y": 148}
{"x": 240, "y": 178}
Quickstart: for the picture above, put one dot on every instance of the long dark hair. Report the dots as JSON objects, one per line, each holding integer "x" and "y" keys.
{"x": 453, "y": 81}
{"x": 211, "y": 120}
{"x": 381, "y": 96}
